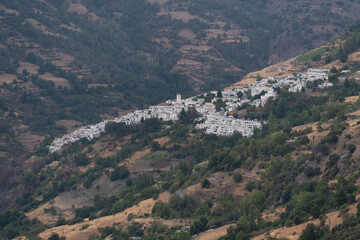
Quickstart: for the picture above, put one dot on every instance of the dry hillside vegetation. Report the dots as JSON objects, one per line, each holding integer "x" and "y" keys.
{"x": 73, "y": 232}
{"x": 222, "y": 183}
{"x": 332, "y": 220}
{"x": 7, "y": 78}
{"x": 215, "y": 233}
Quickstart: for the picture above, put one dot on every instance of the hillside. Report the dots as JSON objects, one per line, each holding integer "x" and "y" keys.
{"x": 65, "y": 64}
{"x": 77, "y": 62}
{"x": 170, "y": 180}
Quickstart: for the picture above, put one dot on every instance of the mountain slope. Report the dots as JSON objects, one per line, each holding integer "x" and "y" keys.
{"x": 304, "y": 162}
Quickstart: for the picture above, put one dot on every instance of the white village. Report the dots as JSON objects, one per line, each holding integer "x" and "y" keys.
{"x": 213, "y": 120}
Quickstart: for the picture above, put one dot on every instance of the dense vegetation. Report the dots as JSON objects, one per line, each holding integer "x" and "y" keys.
{"x": 270, "y": 150}
{"x": 117, "y": 65}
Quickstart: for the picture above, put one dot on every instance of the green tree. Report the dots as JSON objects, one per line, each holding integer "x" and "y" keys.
{"x": 29, "y": 180}
{"x": 311, "y": 232}
{"x": 55, "y": 236}
{"x": 237, "y": 177}
{"x": 119, "y": 173}
{"x": 205, "y": 183}
{"x": 81, "y": 159}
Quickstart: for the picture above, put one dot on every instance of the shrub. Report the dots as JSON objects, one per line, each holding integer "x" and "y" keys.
{"x": 119, "y": 173}
{"x": 351, "y": 148}
{"x": 333, "y": 159}
{"x": 205, "y": 184}
{"x": 81, "y": 159}
{"x": 237, "y": 177}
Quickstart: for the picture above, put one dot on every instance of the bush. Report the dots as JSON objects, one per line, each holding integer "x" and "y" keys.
{"x": 311, "y": 232}
{"x": 55, "y": 236}
{"x": 81, "y": 159}
{"x": 119, "y": 173}
{"x": 351, "y": 148}
{"x": 205, "y": 184}
{"x": 333, "y": 159}
{"x": 251, "y": 186}
{"x": 237, "y": 177}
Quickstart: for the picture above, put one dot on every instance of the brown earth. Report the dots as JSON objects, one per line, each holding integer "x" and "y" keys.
{"x": 129, "y": 163}
{"x": 30, "y": 140}
{"x": 272, "y": 216}
{"x": 64, "y": 205}
{"x": 285, "y": 68}
{"x": 292, "y": 233}
{"x": 222, "y": 182}
{"x": 8, "y": 11}
{"x": 163, "y": 42}
{"x": 178, "y": 15}
{"x": 215, "y": 234}
{"x": 160, "y": 2}
{"x": 8, "y": 78}
{"x": 162, "y": 141}
{"x": 352, "y": 99}
{"x": 38, "y": 26}
{"x": 59, "y": 81}
{"x": 77, "y": 8}
{"x": 72, "y": 27}
{"x": 31, "y": 68}
{"x": 74, "y": 232}
{"x": 104, "y": 148}
{"x": 187, "y": 33}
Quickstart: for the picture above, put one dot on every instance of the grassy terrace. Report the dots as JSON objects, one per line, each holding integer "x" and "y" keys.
{"x": 309, "y": 56}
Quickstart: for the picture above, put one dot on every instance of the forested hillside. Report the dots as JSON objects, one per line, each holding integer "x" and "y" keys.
{"x": 296, "y": 178}
{"x": 64, "y": 64}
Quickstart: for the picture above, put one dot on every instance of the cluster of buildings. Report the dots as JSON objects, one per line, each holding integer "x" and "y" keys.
{"x": 213, "y": 120}
{"x": 228, "y": 125}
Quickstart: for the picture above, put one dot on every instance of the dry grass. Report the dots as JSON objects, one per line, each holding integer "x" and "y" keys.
{"x": 160, "y": 2}
{"x": 188, "y": 62}
{"x": 333, "y": 219}
{"x": 30, "y": 140}
{"x": 38, "y": 26}
{"x": 215, "y": 234}
{"x": 352, "y": 99}
{"x": 73, "y": 232}
{"x": 164, "y": 42}
{"x": 35, "y": 24}
{"x": 8, "y": 11}
{"x": 162, "y": 141}
{"x": 72, "y": 27}
{"x": 195, "y": 48}
{"x": 103, "y": 148}
{"x": 188, "y": 34}
{"x": 77, "y": 8}
{"x": 31, "y": 68}
{"x": 64, "y": 205}
{"x": 7, "y": 78}
{"x": 354, "y": 57}
{"x": 285, "y": 68}
{"x": 272, "y": 216}
{"x": 57, "y": 80}
{"x": 180, "y": 15}
{"x": 129, "y": 163}
{"x": 223, "y": 182}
